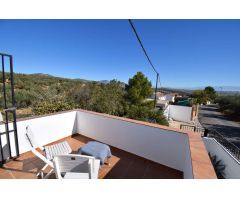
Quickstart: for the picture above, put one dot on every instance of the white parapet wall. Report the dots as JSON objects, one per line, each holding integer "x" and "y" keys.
{"x": 232, "y": 169}
{"x": 179, "y": 113}
{"x": 162, "y": 146}
{"x": 46, "y": 129}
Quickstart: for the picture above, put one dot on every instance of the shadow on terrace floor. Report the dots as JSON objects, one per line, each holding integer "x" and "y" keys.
{"x": 124, "y": 165}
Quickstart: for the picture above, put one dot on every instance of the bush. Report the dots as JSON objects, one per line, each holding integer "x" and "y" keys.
{"x": 46, "y": 107}
{"x": 104, "y": 98}
{"x": 229, "y": 104}
{"x": 25, "y": 98}
{"x": 146, "y": 113}
{"x": 138, "y": 112}
{"x": 80, "y": 96}
{"x": 158, "y": 117}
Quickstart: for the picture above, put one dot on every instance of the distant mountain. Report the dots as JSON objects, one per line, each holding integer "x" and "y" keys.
{"x": 104, "y": 81}
{"x": 77, "y": 79}
{"x": 41, "y": 74}
{"x": 227, "y": 88}
{"x": 217, "y": 88}
{"x": 49, "y": 75}
{"x": 223, "y": 90}
{"x": 83, "y": 80}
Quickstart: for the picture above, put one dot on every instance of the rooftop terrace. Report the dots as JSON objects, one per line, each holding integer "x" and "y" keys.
{"x": 123, "y": 165}
{"x": 140, "y": 149}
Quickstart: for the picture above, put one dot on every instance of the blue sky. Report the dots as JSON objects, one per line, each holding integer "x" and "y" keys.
{"x": 187, "y": 53}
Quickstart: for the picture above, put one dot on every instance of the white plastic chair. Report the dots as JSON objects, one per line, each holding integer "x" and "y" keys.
{"x": 1, "y": 117}
{"x": 62, "y": 148}
{"x": 74, "y": 166}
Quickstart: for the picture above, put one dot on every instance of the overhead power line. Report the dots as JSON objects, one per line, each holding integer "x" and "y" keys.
{"x": 140, "y": 42}
{"x": 145, "y": 52}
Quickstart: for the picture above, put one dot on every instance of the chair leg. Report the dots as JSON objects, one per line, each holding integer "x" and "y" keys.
{"x": 40, "y": 173}
{"x": 48, "y": 174}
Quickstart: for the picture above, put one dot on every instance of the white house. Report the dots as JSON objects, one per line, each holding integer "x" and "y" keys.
{"x": 162, "y": 103}
{"x": 167, "y": 97}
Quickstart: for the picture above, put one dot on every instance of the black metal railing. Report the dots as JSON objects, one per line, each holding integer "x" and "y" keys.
{"x": 9, "y": 111}
{"x": 192, "y": 128}
{"x": 232, "y": 148}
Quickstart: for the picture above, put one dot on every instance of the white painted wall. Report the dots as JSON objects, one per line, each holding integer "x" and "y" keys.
{"x": 165, "y": 147}
{"x": 187, "y": 168}
{"x": 179, "y": 113}
{"x": 166, "y": 112}
{"x": 46, "y": 130}
{"x": 232, "y": 169}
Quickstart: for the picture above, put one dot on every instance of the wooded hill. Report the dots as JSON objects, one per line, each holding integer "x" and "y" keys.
{"x": 38, "y": 94}
{"x": 33, "y": 88}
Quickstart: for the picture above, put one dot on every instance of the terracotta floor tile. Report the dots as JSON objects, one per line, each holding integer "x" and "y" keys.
{"x": 6, "y": 175}
{"x": 13, "y": 165}
{"x": 38, "y": 163}
{"x": 106, "y": 169}
{"x": 2, "y": 170}
{"x": 157, "y": 171}
{"x": 23, "y": 174}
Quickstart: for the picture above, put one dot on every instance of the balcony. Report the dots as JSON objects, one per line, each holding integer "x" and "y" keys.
{"x": 140, "y": 149}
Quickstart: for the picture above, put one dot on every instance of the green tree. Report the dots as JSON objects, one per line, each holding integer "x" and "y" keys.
{"x": 42, "y": 94}
{"x": 210, "y": 93}
{"x": 138, "y": 88}
{"x": 80, "y": 95}
{"x": 107, "y": 98}
{"x": 202, "y": 96}
{"x": 104, "y": 98}
{"x": 199, "y": 96}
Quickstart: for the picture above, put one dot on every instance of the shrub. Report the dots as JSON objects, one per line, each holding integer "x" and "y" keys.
{"x": 229, "y": 104}
{"x": 146, "y": 113}
{"x": 46, "y": 107}
{"x": 25, "y": 98}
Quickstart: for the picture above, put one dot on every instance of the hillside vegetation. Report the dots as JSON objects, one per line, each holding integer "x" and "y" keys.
{"x": 230, "y": 105}
{"x": 33, "y": 89}
{"x": 39, "y": 94}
